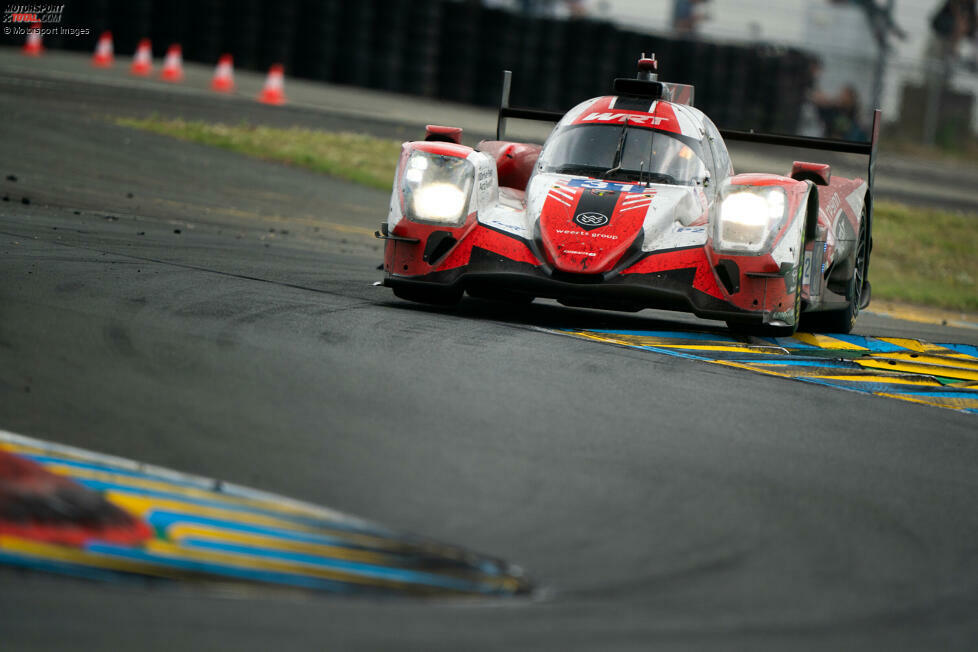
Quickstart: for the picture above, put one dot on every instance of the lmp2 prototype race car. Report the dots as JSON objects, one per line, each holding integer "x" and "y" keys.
{"x": 632, "y": 203}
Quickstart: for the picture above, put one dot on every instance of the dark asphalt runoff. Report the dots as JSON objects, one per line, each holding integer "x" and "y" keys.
{"x": 198, "y": 310}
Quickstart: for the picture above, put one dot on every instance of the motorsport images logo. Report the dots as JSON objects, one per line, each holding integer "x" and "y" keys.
{"x": 590, "y": 220}
{"x": 46, "y": 14}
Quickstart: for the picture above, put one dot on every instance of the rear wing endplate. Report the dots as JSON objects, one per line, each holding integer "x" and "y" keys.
{"x": 505, "y": 111}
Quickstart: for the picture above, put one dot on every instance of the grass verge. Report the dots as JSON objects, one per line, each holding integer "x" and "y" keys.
{"x": 355, "y": 157}
{"x": 921, "y": 256}
{"x": 925, "y": 256}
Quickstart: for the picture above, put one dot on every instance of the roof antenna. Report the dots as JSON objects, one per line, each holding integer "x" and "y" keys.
{"x": 648, "y": 68}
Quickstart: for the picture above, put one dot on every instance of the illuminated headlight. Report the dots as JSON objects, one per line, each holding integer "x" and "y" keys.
{"x": 749, "y": 218}
{"x": 440, "y": 202}
{"x": 436, "y": 188}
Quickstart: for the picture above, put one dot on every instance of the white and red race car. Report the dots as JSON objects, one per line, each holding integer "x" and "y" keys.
{"x": 632, "y": 203}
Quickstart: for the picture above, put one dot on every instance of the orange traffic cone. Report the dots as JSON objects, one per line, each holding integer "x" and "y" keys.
{"x": 173, "y": 65}
{"x": 223, "y": 81}
{"x": 142, "y": 63}
{"x": 103, "y": 51}
{"x": 33, "y": 47}
{"x": 274, "y": 90}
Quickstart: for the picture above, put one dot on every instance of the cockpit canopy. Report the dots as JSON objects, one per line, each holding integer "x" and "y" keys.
{"x": 659, "y": 156}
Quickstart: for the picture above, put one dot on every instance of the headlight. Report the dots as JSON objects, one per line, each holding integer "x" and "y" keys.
{"x": 749, "y": 218}
{"x": 441, "y": 202}
{"x": 436, "y": 188}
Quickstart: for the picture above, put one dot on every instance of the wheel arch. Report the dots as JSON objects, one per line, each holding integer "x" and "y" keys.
{"x": 811, "y": 214}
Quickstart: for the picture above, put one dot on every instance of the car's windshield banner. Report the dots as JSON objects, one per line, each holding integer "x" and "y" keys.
{"x": 661, "y": 116}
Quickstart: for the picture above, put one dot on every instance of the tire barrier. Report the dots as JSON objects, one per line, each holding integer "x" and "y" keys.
{"x": 454, "y": 51}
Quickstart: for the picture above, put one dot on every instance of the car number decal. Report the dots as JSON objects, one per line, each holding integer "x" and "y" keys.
{"x": 595, "y": 184}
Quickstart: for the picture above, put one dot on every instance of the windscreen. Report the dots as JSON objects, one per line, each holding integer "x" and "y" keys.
{"x": 593, "y": 150}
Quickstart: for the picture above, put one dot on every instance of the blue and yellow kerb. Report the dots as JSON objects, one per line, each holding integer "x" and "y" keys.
{"x": 201, "y": 529}
{"x": 940, "y": 375}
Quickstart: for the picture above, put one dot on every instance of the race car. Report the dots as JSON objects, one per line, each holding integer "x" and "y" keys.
{"x": 632, "y": 203}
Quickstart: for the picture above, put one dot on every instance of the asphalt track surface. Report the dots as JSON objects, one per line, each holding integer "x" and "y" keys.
{"x": 655, "y": 501}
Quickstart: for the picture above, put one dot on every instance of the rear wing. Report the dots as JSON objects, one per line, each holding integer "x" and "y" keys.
{"x": 868, "y": 148}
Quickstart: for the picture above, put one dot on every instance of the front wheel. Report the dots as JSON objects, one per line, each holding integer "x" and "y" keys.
{"x": 843, "y": 320}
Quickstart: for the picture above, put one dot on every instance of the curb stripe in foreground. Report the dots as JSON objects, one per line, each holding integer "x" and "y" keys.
{"x": 202, "y": 529}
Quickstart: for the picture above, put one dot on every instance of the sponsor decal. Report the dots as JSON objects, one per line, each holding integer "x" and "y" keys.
{"x": 485, "y": 179}
{"x": 580, "y": 253}
{"x": 606, "y": 236}
{"x": 636, "y": 119}
{"x": 508, "y": 226}
{"x": 591, "y": 220}
{"x": 833, "y": 206}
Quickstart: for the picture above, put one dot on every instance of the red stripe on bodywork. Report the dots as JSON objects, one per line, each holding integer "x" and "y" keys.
{"x": 490, "y": 240}
{"x": 704, "y": 280}
{"x": 571, "y": 248}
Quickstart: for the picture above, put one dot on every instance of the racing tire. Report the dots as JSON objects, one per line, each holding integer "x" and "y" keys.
{"x": 436, "y": 296}
{"x": 843, "y": 320}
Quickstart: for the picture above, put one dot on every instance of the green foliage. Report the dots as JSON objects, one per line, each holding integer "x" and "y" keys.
{"x": 925, "y": 256}
{"x": 356, "y": 157}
